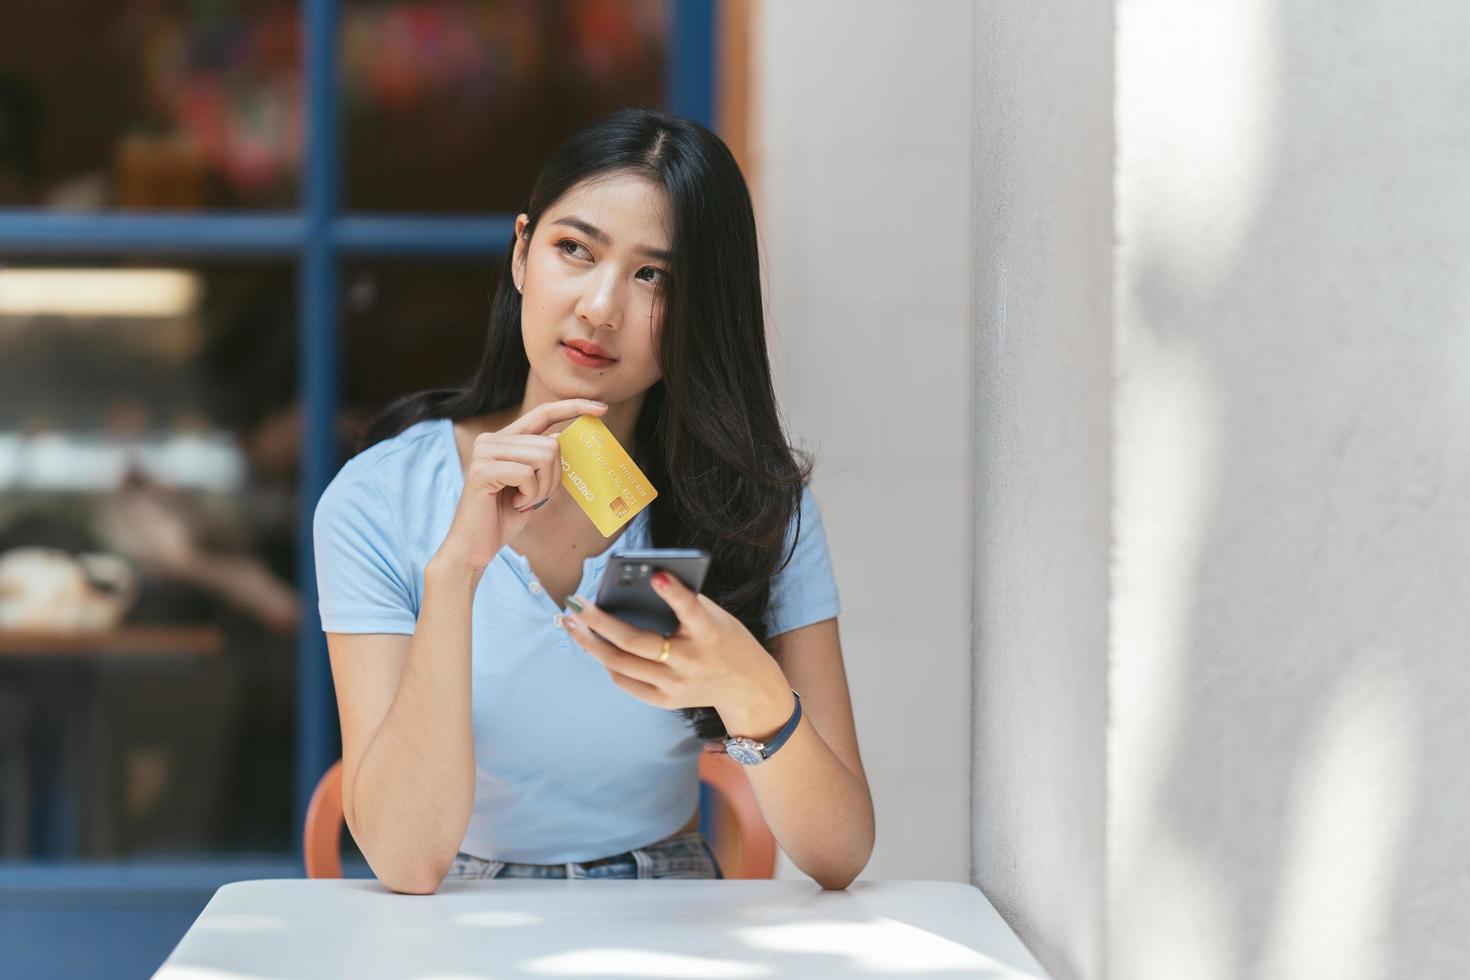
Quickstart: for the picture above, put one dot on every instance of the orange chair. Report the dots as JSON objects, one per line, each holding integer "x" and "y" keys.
{"x": 742, "y": 842}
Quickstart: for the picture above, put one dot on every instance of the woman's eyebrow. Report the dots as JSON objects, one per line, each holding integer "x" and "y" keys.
{"x": 599, "y": 236}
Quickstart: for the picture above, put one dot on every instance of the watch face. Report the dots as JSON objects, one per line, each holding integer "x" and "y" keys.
{"x": 744, "y": 751}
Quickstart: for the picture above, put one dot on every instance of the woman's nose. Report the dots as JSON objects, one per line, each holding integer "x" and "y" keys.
{"x": 602, "y": 302}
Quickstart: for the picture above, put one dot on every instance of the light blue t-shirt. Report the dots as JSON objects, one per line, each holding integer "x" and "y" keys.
{"x": 568, "y": 766}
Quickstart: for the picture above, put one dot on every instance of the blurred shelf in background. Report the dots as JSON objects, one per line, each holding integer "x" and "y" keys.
{"x": 125, "y": 641}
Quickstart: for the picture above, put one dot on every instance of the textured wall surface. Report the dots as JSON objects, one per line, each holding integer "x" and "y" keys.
{"x": 1043, "y": 211}
{"x": 863, "y": 147}
{"x": 1289, "y": 694}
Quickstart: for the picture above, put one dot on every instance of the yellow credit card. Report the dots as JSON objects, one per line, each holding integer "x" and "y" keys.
{"x": 601, "y": 476}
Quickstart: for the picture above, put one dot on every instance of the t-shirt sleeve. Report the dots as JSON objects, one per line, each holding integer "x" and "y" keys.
{"x": 362, "y": 578}
{"x": 803, "y": 592}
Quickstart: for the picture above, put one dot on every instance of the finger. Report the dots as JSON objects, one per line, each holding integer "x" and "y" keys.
{"x": 643, "y": 692}
{"x": 612, "y": 657}
{"x": 540, "y": 451}
{"x": 543, "y": 416}
{"x": 630, "y": 638}
{"x": 546, "y": 458}
{"x": 552, "y": 473}
{"x": 534, "y": 451}
{"x": 486, "y": 442}
{"x": 521, "y": 480}
{"x": 574, "y": 409}
{"x": 548, "y": 467}
{"x": 497, "y": 474}
{"x": 543, "y": 453}
{"x": 682, "y": 599}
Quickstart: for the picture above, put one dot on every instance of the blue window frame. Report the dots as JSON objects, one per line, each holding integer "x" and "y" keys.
{"x": 318, "y": 235}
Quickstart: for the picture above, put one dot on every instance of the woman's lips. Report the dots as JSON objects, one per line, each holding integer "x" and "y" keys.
{"x": 585, "y": 360}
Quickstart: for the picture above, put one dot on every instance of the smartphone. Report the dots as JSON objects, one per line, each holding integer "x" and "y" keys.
{"x": 627, "y": 590}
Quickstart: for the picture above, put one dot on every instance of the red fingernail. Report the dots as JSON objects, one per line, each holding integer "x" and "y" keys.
{"x": 660, "y": 580}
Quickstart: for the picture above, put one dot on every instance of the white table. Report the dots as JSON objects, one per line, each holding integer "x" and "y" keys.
{"x": 598, "y": 928}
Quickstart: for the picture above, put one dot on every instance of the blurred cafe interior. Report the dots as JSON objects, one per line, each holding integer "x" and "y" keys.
{"x": 168, "y": 406}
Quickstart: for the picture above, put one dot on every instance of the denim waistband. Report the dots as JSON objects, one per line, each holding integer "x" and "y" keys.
{"x": 681, "y": 855}
{"x": 627, "y": 856}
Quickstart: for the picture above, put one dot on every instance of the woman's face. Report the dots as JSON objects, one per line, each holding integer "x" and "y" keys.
{"x": 594, "y": 271}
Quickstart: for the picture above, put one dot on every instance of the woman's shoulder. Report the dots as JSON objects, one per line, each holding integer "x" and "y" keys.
{"x": 423, "y": 436}
{"x": 390, "y": 459}
{"x": 804, "y": 590}
{"x": 806, "y": 520}
{"x": 394, "y": 468}
{"x": 363, "y": 532}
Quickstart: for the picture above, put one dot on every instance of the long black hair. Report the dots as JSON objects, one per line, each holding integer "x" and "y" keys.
{"x": 708, "y": 435}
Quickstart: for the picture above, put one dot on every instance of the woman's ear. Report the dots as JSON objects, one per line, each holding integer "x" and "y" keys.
{"x": 518, "y": 257}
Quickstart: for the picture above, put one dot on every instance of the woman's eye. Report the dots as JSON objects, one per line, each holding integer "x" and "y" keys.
{"x": 569, "y": 247}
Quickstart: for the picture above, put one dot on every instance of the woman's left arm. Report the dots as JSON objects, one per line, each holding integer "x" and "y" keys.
{"x": 812, "y": 792}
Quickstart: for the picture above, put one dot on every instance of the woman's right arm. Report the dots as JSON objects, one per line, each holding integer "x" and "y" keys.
{"x": 408, "y": 760}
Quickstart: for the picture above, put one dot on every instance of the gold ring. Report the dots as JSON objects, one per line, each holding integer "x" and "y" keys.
{"x": 663, "y": 654}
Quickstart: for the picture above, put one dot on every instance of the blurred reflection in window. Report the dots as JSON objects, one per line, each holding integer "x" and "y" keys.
{"x": 408, "y": 326}
{"x": 149, "y": 438}
{"x": 175, "y": 104}
{"x": 455, "y": 105}
{"x": 150, "y": 103}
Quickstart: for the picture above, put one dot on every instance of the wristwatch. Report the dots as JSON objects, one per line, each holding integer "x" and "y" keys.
{"x": 749, "y": 752}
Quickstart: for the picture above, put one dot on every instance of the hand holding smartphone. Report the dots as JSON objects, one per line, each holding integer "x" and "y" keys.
{"x": 627, "y": 590}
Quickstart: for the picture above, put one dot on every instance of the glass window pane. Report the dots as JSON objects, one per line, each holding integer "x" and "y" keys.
{"x": 148, "y": 518}
{"x": 157, "y": 104}
{"x": 409, "y": 326}
{"x": 455, "y": 105}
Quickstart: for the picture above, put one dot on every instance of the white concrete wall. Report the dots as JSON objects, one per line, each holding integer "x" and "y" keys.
{"x": 1288, "y": 788}
{"x": 1271, "y": 406}
{"x": 862, "y": 140}
{"x": 1043, "y": 213}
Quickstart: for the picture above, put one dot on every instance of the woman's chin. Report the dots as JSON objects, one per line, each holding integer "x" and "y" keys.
{"x": 564, "y": 391}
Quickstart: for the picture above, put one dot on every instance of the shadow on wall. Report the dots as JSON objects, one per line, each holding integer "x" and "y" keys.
{"x": 1290, "y": 717}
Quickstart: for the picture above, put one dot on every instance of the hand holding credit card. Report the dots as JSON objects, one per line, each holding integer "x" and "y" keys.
{"x": 600, "y": 475}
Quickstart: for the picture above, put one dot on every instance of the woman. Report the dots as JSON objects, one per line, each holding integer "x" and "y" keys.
{"x": 485, "y": 733}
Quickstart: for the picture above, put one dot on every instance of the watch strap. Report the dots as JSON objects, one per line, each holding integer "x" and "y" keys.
{"x": 780, "y": 737}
